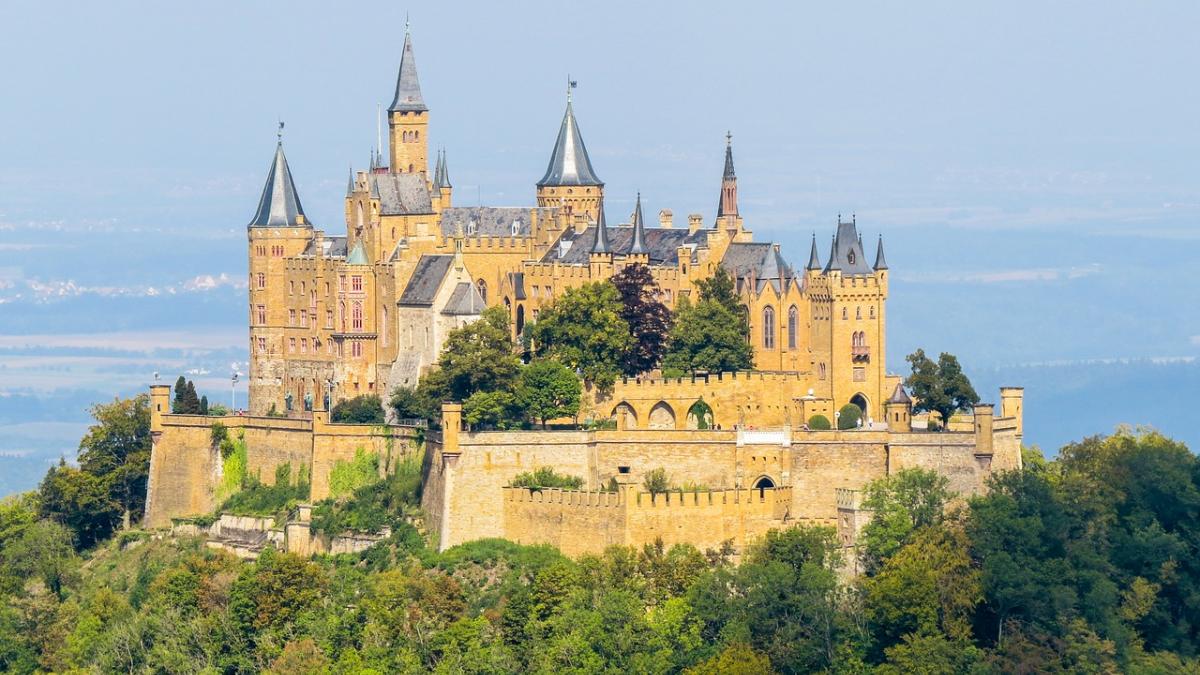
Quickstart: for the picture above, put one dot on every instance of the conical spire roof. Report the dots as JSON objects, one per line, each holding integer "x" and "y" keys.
{"x": 899, "y": 396}
{"x": 350, "y": 184}
{"x": 880, "y": 261}
{"x": 729, "y": 157}
{"x": 279, "y": 205}
{"x": 724, "y": 207}
{"x": 639, "y": 229}
{"x": 437, "y": 172}
{"x": 444, "y": 180}
{"x": 814, "y": 261}
{"x": 833, "y": 261}
{"x": 601, "y": 244}
{"x": 569, "y": 163}
{"x": 408, "y": 87}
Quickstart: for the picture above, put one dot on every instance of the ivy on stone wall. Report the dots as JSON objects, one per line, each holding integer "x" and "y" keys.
{"x": 348, "y": 476}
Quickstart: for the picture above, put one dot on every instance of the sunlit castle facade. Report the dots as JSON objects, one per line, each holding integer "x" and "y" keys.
{"x": 364, "y": 312}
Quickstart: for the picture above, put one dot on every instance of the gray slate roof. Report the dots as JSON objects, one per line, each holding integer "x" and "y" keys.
{"x": 638, "y": 245}
{"x": 491, "y": 221}
{"x": 425, "y": 280}
{"x": 814, "y": 260}
{"x": 847, "y": 254}
{"x": 569, "y": 162}
{"x": 408, "y": 88}
{"x": 331, "y": 247}
{"x": 880, "y": 261}
{"x": 279, "y": 205}
{"x": 899, "y": 396}
{"x": 727, "y": 175}
{"x": 465, "y": 301}
{"x": 662, "y": 244}
{"x": 401, "y": 193}
{"x": 760, "y": 261}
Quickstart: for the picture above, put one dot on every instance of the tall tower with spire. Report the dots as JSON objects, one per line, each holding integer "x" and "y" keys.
{"x": 727, "y": 206}
{"x": 277, "y": 230}
{"x": 570, "y": 182}
{"x": 408, "y": 117}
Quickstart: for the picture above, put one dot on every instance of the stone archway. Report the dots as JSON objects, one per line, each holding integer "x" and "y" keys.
{"x": 662, "y": 416}
{"x": 763, "y": 484}
{"x": 861, "y": 401}
{"x": 631, "y": 417}
{"x": 700, "y": 416}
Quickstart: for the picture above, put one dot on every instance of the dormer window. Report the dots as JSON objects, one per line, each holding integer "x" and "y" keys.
{"x": 471, "y": 227}
{"x": 516, "y": 227}
{"x": 850, "y": 257}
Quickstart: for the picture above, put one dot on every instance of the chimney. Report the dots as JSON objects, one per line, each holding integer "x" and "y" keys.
{"x": 695, "y": 222}
{"x": 665, "y": 218}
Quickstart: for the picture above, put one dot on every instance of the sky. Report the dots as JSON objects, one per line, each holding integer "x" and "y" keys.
{"x": 1031, "y": 166}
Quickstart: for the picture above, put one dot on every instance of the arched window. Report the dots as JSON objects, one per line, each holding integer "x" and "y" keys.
{"x": 520, "y": 320}
{"x": 357, "y": 317}
{"x": 482, "y": 286}
{"x": 768, "y": 328}
{"x": 858, "y": 312}
{"x": 872, "y": 313}
{"x": 417, "y": 135}
{"x": 410, "y": 168}
{"x": 793, "y": 320}
{"x": 845, "y": 314}
{"x": 745, "y": 316}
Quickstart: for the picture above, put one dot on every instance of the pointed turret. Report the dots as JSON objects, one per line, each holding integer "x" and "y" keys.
{"x": 880, "y": 261}
{"x": 357, "y": 255}
{"x": 638, "y": 247}
{"x": 569, "y": 162}
{"x": 279, "y": 205}
{"x": 814, "y": 261}
{"x": 350, "y": 184}
{"x": 437, "y": 171}
{"x": 601, "y": 243}
{"x": 408, "y": 88}
{"x": 445, "y": 171}
{"x": 727, "y": 204}
{"x": 899, "y": 395}
{"x": 833, "y": 261}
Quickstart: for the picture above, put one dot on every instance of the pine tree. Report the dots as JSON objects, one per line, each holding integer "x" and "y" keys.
{"x": 191, "y": 402}
{"x": 203, "y": 405}
{"x": 180, "y": 395}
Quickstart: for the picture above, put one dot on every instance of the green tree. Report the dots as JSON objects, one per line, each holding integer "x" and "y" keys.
{"x": 657, "y": 481}
{"x": 648, "y": 318}
{"x": 848, "y": 416}
{"x": 116, "y": 450}
{"x": 706, "y": 336}
{"x": 81, "y": 501}
{"x": 929, "y": 587}
{"x": 546, "y": 477}
{"x": 721, "y": 289}
{"x": 476, "y": 357}
{"x": 901, "y": 504}
{"x": 819, "y": 423}
{"x": 492, "y": 410}
{"x": 179, "y": 402}
{"x": 43, "y": 551}
{"x": 549, "y": 390}
{"x": 940, "y": 387}
{"x": 584, "y": 331}
{"x": 203, "y": 405}
{"x": 365, "y": 409}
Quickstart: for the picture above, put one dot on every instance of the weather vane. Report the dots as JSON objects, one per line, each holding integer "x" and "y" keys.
{"x": 571, "y": 84}
{"x": 279, "y": 133}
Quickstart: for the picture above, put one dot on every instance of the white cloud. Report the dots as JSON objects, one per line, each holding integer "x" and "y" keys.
{"x": 55, "y": 289}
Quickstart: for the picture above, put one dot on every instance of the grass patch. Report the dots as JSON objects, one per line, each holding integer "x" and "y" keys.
{"x": 371, "y": 508}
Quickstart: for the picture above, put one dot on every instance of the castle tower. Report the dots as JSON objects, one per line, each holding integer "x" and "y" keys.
{"x": 408, "y": 118}
{"x": 638, "y": 252}
{"x": 727, "y": 208}
{"x": 277, "y": 231}
{"x": 570, "y": 182}
{"x": 898, "y": 409}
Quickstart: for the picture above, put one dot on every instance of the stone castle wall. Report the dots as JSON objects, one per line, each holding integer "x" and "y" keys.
{"x": 186, "y": 466}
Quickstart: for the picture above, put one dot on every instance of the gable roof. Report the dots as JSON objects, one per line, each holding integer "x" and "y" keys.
{"x": 401, "y": 194}
{"x": 761, "y": 261}
{"x": 847, "y": 253}
{"x": 464, "y": 301}
{"x": 425, "y": 280}
{"x": 662, "y": 244}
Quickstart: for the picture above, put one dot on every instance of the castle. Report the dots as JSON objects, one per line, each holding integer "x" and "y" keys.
{"x": 333, "y": 317}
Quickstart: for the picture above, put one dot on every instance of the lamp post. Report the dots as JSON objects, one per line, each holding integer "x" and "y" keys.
{"x": 328, "y": 394}
{"x": 233, "y": 380}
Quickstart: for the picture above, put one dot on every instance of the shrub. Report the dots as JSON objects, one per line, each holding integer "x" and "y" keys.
{"x": 849, "y": 417}
{"x": 657, "y": 482}
{"x": 219, "y": 433}
{"x": 546, "y": 477}
{"x": 365, "y": 409}
{"x": 372, "y": 507}
{"x": 819, "y": 423}
{"x": 258, "y": 499}
{"x": 217, "y": 410}
{"x": 348, "y": 476}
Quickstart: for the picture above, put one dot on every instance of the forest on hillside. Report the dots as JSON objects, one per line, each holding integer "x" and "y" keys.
{"x": 1087, "y": 563}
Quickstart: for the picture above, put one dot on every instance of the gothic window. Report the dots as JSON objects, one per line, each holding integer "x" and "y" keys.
{"x": 312, "y": 298}
{"x": 262, "y": 345}
{"x": 292, "y": 345}
{"x": 821, "y": 371}
{"x": 303, "y": 345}
{"x": 845, "y": 314}
{"x": 850, "y": 257}
{"x": 262, "y": 314}
{"x": 262, "y": 280}
{"x": 410, "y": 168}
{"x": 793, "y": 318}
{"x": 291, "y": 317}
{"x": 304, "y": 318}
{"x": 357, "y": 316}
{"x": 291, "y": 288}
{"x": 482, "y": 286}
{"x": 356, "y": 283}
{"x": 329, "y": 318}
{"x": 342, "y": 283}
{"x": 858, "y": 312}
{"x": 872, "y": 312}
{"x": 768, "y": 328}
{"x": 356, "y": 349}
